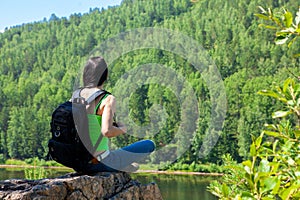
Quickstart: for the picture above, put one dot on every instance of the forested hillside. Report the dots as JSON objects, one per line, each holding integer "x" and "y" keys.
{"x": 40, "y": 62}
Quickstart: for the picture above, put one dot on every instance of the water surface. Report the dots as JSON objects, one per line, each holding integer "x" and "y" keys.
{"x": 172, "y": 187}
{"x": 179, "y": 187}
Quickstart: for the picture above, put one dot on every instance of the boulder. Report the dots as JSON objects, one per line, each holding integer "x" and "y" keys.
{"x": 108, "y": 186}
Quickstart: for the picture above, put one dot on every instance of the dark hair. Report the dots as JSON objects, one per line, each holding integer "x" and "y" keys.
{"x": 95, "y": 72}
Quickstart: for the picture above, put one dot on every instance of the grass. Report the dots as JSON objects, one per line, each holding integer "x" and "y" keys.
{"x": 35, "y": 172}
{"x": 33, "y": 162}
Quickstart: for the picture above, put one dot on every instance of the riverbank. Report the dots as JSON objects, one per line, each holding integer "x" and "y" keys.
{"x": 32, "y": 166}
{"x": 139, "y": 171}
{"x": 179, "y": 173}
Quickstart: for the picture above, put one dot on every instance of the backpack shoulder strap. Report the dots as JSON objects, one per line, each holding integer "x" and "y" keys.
{"x": 76, "y": 98}
{"x": 95, "y": 95}
{"x": 76, "y": 95}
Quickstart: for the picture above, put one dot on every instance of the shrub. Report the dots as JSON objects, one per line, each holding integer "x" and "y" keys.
{"x": 273, "y": 170}
{"x": 15, "y": 162}
{"x": 2, "y": 159}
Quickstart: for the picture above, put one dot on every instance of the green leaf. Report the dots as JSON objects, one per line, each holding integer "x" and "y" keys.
{"x": 252, "y": 149}
{"x": 249, "y": 180}
{"x": 288, "y": 145}
{"x": 277, "y": 186}
{"x": 268, "y": 198}
{"x": 288, "y": 19}
{"x": 281, "y": 40}
{"x": 297, "y": 133}
{"x": 247, "y": 195}
{"x": 264, "y": 166}
{"x": 296, "y": 55}
{"x": 268, "y": 93}
{"x": 272, "y": 133}
{"x": 287, "y": 192}
{"x": 282, "y": 99}
{"x": 270, "y": 12}
{"x": 262, "y": 9}
{"x": 270, "y": 183}
{"x": 270, "y": 126}
{"x": 247, "y": 163}
{"x": 291, "y": 103}
{"x": 258, "y": 141}
{"x": 291, "y": 161}
{"x": 297, "y": 18}
{"x": 225, "y": 190}
{"x": 298, "y": 29}
{"x": 265, "y": 17}
{"x": 291, "y": 42}
{"x": 277, "y": 21}
{"x": 274, "y": 166}
{"x": 268, "y": 26}
{"x": 259, "y": 176}
{"x": 248, "y": 169}
{"x": 282, "y": 33}
{"x": 278, "y": 114}
{"x": 275, "y": 145}
{"x": 237, "y": 197}
{"x": 286, "y": 85}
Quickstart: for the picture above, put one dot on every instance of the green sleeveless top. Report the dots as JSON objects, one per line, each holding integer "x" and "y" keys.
{"x": 95, "y": 129}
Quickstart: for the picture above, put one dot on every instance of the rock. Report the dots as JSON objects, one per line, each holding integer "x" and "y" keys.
{"x": 108, "y": 186}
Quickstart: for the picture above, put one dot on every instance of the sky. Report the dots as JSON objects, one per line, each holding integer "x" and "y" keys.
{"x": 17, "y": 12}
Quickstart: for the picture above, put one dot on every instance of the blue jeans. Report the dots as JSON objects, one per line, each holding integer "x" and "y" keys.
{"x": 120, "y": 158}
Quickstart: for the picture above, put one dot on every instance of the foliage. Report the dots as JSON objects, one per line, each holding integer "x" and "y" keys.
{"x": 286, "y": 25}
{"x": 194, "y": 167}
{"x": 231, "y": 180}
{"x": 2, "y": 160}
{"x": 273, "y": 170}
{"x": 15, "y": 162}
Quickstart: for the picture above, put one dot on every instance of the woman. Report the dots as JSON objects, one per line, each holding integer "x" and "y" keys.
{"x": 101, "y": 125}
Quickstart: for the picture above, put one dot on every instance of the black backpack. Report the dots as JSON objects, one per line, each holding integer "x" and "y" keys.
{"x": 70, "y": 134}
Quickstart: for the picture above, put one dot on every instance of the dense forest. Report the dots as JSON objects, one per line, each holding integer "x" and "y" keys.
{"x": 41, "y": 62}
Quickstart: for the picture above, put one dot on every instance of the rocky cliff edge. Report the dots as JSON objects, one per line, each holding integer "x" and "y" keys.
{"x": 108, "y": 186}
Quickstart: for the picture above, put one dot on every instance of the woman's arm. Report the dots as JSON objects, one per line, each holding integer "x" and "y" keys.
{"x": 107, "y": 110}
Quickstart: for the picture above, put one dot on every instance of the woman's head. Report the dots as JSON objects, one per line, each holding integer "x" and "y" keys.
{"x": 95, "y": 72}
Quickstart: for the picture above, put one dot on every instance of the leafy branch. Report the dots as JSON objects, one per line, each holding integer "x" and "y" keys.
{"x": 273, "y": 170}
{"x": 286, "y": 25}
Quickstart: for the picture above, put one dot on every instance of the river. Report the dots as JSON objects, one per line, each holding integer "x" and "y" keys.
{"x": 172, "y": 187}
